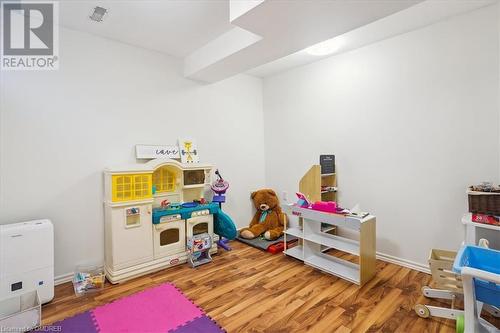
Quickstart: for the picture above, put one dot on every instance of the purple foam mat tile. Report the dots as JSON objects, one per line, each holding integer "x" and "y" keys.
{"x": 203, "y": 324}
{"x": 87, "y": 323}
{"x": 81, "y": 323}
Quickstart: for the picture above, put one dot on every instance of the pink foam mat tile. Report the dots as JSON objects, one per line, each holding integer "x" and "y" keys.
{"x": 159, "y": 309}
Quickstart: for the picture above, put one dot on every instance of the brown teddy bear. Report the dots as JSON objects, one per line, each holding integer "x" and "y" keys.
{"x": 268, "y": 219}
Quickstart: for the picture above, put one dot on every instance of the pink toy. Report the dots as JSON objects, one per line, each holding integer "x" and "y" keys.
{"x": 302, "y": 202}
{"x": 325, "y": 206}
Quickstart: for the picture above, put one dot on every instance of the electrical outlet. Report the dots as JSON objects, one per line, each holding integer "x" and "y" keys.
{"x": 284, "y": 196}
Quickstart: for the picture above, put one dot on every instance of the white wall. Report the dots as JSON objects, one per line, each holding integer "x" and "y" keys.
{"x": 60, "y": 129}
{"x": 412, "y": 121}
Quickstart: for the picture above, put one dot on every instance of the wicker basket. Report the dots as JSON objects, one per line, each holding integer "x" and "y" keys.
{"x": 441, "y": 263}
{"x": 484, "y": 202}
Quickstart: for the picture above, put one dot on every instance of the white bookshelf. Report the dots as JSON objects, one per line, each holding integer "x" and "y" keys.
{"x": 313, "y": 240}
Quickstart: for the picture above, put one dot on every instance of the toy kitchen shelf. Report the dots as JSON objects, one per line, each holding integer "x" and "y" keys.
{"x": 313, "y": 242}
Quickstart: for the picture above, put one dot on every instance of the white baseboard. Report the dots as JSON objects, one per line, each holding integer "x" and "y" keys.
{"x": 68, "y": 277}
{"x": 403, "y": 262}
{"x": 60, "y": 279}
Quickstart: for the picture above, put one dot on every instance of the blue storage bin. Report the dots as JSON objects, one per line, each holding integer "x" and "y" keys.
{"x": 483, "y": 259}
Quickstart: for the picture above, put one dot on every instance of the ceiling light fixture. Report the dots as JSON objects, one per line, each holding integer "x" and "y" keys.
{"x": 98, "y": 14}
{"x": 327, "y": 47}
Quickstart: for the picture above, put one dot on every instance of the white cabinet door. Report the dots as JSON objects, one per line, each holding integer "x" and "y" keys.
{"x": 132, "y": 236}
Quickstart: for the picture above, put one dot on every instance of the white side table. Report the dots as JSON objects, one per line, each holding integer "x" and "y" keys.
{"x": 471, "y": 229}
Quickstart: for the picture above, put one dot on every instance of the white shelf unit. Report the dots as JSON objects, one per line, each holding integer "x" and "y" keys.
{"x": 296, "y": 252}
{"x": 471, "y": 228}
{"x": 313, "y": 242}
{"x": 297, "y": 232}
{"x": 335, "y": 266}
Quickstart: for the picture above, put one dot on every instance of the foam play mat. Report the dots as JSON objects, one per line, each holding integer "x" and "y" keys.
{"x": 160, "y": 309}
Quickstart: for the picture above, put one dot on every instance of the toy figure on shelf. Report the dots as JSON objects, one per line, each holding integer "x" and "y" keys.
{"x": 199, "y": 249}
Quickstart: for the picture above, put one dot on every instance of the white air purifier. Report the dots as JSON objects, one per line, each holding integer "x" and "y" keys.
{"x": 27, "y": 259}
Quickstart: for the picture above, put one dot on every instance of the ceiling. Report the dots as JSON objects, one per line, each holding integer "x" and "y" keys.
{"x": 412, "y": 18}
{"x": 174, "y": 27}
{"x": 275, "y": 29}
{"x": 217, "y": 39}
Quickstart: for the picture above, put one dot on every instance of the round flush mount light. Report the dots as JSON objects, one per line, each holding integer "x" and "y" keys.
{"x": 327, "y": 47}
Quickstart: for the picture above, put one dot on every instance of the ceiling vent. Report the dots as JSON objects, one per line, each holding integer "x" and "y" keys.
{"x": 98, "y": 14}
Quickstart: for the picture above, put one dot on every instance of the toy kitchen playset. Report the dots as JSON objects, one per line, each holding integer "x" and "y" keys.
{"x": 152, "y": 210}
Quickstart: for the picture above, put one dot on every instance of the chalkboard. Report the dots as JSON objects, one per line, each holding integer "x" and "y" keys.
{"x": 327, "y": 163}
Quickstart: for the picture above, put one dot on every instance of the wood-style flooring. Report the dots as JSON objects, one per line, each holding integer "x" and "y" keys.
{"x": 248, "y": 290}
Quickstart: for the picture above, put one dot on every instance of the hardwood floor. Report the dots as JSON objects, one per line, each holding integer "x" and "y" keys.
{"x": 248, "y": 290}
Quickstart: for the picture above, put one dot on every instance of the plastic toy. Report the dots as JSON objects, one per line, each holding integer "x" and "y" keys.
{"x": 144, "y": 232}
{"x": 480, "y": 273}
{"x": 280, "y": 246}
{"x": 325, "y": 206}
{"x": 446, "y": 275}
{"x": 189, "y": 204}
{"x": 219, "y": 187}
{"x": 322, "y": 206}
{"x": 328, "y": 189}
{"x": 199, "y": 249}
{"x": 225, "y": 228}
{"x": 486, "y": 219}
{"x": 302, "y": 202}
{"x": 175, "y": 205}
{"x": 224, "y": 224}
{"x": 85, "y": 282}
